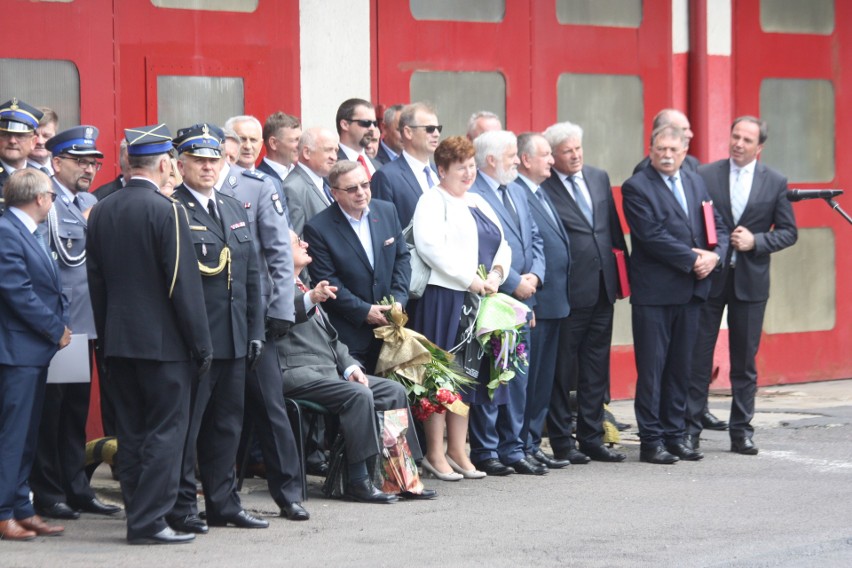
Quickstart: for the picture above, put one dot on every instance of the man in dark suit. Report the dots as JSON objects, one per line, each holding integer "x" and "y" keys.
{"x": 357, "y": 127}
{"x": 551, "y": 300}
{"x": 59, "y": 481}
{"x": 314, "y": 361}
{"x": 281, "y": 133}
{"x": 111, "y": 187}
{"x": 679, "y": 120}
{"x": 359, "y": 248}
{"x": 390, "y": 146}
{"x": 34, "y": 316}
{"x": 669, "y": 271}
{"x": 150, "y": 312}
{"x": 496, "y": 442}
{"x": 752, "y": 200}
{"x": 18, "y": 122}
{"x": 226, "y": 260}
{"x": 404, "y": 180}
{"x": 583, "y": 199}
{"x": 306, "y": 188}
{"x": 265, "y": 407}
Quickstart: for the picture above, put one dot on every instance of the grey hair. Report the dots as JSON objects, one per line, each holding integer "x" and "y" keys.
{"x": 558, "y": 133}
{"x": 492, "y": 143}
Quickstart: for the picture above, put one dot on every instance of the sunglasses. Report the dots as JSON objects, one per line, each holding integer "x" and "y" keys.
{"x": 429, "y": 128}
{"x": 365, "y": 123}
{"x": 352, "y": 189}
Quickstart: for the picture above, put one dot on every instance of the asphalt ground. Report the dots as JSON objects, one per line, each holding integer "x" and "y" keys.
{"x": 789, "y": 506}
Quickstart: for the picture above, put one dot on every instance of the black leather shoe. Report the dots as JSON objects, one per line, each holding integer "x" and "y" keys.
{"x": 58, "y": 511}
{"x": 743, "y": 446}
{"x": 165, "y": 536}
{"x": 550, "y": 462}
{"x": 658, "y": 455}
{"x": 603, "y": 454}
{"x": 187, "y": 524}
{"x": 320, "y": 469}
{"x": 525, "y": 467}
{"x": 691, "y": 441}
{"x": 573, "y": 455}
{"x": 425, "y": 494}
{"x": 98, "y": 507}
{"x": 365, "y": 492}
{"x": 710, "y": 422}
{"x": 493, "y": 466}
{"x": 294, "y": 511}
{"x": 680, "y": 450}
{"x": 242, "y": 520}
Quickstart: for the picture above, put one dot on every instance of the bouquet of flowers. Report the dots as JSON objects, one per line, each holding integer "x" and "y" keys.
{"x": 428, "y": 373}
{"x": 498, "y": 330}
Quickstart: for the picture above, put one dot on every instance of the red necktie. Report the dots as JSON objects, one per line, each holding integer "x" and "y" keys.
{"x": 363, "y": 161}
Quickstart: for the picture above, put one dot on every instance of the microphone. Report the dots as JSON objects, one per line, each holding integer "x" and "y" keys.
{"x": 800, "y": 194}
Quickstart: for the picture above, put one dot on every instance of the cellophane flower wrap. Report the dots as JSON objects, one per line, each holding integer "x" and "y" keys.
{"x": 430, "y": 377}
{"x": 498, "y": 330}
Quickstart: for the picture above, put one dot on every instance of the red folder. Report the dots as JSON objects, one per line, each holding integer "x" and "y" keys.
{"x": 709, "y": 224}
{"x": 621, "y": 268}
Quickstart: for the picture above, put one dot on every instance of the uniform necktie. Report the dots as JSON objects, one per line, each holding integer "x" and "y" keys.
{"x": 428, "y": 171}
{"x": 363, "y": 161}
{"x": 510, "y": 207}
{"x": 678, "y": 193}
{"x": 43, "y": 245}
{"x": 738, "y": 197}
{"x": 545, "y": 204}
{"x": 584, "y": 206}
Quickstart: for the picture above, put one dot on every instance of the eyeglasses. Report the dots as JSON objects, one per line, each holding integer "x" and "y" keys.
{"x": 84, "y": 163}
{"x": 352, "y": 189}
{"x": 52, "y": 195}
{"x": 429, "y": 128}
{"x": 364, "y": 123}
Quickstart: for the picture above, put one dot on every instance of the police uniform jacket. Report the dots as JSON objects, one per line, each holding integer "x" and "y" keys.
{"x": 232, "y": 296}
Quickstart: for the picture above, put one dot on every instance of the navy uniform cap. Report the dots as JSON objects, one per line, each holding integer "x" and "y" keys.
{"x": 77, "y": 141}
{"x": 18, "y": 116}
{"x": 202, "y": 140}
{"x": 148, "y": 140}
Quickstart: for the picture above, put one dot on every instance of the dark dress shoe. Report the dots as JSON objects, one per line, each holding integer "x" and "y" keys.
{"x": 573, "y": 455}
{"x": 365, "y": 492}
{"x": 10, "y": 529}
{"x": 425, "y": 494}
{"x": 550, "y": 462}
{"x": 97, "y": 507}
{"x": 242, "y": 520}
{"x": 295, "y": 512}
{"x": 710, "y": 422}
{"x": 39, "y": 527}
{"x": 187, "y": 524}
{"x": 165, "y": 536}
{"x": 320, "y": 469}
{"x": 658, "y": 455}
{"x": 743, "y": 446}
{"x": 493, "y": 466}
{"x": 526, "y": 467}
{"x": 691, "y": 441}
{"x": 683, "y": 452}
{"x": 603, "y": 454}
{"x": 58, "y": 511}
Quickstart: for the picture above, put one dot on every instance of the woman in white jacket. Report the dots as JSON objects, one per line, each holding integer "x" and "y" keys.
{"x": 454, "y": 232}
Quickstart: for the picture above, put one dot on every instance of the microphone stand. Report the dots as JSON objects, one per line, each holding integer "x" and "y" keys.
{"x": 836, "y": 206}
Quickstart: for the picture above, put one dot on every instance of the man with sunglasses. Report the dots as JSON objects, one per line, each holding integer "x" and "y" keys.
{"x": 59, "y": 482}
{"x": 358, "y": 246}
{"x": 357, "y": 127}
{"x": 404, "y": 180}
{"x": 18, "y": 122}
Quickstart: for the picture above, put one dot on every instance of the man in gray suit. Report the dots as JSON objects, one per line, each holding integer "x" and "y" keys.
{"x": 306, "y": 189}
{"x": 583, "y": 199}
{"x": 752, "y": 200}
{"x": 314, "y": 361}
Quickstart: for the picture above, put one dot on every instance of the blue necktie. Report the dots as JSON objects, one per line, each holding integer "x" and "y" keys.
{"x": 678, "y": 193}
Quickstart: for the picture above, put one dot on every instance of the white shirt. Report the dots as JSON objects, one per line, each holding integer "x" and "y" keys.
{"x": 353, "y": 155}
{"x": 362, "y": 229}
{"x": 279, "y": 169}
{"x": 418, "y": 168}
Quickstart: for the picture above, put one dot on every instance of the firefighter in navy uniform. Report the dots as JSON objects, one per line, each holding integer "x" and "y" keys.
{"x": 151, "y": 319}
{"x": 18, "y": 122}
{"x": 227, "y": 263}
